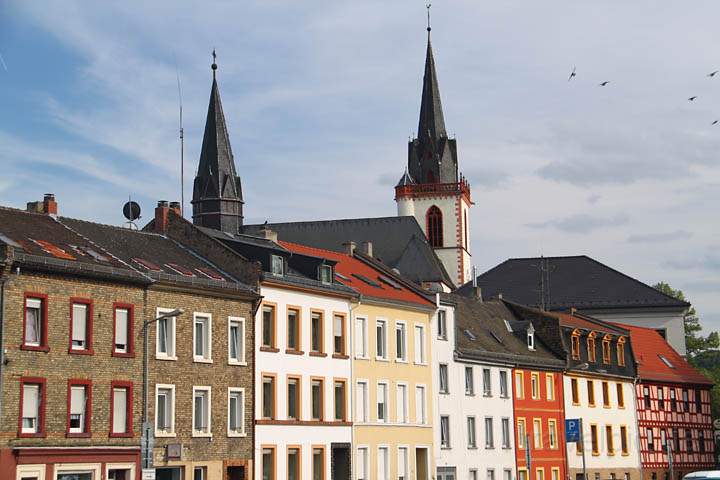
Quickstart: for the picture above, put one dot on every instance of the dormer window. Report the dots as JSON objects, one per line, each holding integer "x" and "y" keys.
{"x": 575, "y": 344}
{"x": 325, "y": 273}
{"x": 531, "y": 337}
{"x": 277, "y": 265}
{"x": 591, "y": 347}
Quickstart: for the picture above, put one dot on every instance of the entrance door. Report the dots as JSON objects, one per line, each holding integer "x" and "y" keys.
{"x": 168, "y": 473}
{"x": 235, "y": 473}
{"x": 446, "y": 473}
{"x": 421, "y": 464}
{"x": 340, "y": 466}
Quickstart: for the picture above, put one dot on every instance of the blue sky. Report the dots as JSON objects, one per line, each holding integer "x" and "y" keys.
{"x": 320, "y": 98}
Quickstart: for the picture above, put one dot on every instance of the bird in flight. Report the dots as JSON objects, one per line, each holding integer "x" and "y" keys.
{"x": 715, "y": 122}
{"x": 692, "y": 99}
{"x": 712, "y": 74}
{"x": 604, "y": 83}
{"x": 572, "y": 74}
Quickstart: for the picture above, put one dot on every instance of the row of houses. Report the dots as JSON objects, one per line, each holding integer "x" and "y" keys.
{"x": 359, "y": 349}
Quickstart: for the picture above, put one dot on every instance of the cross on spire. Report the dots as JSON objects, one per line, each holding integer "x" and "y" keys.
{"x": 428, "y": 17}
{"x": 214, "y": 65}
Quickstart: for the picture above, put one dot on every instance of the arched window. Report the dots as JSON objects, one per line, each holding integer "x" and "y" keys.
{"x": 434, "y": 227}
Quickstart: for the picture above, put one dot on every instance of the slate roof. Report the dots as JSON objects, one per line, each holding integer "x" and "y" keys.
{"x": 575, "y": 281}
{"x": 397, "y": 241}
{"x": 648, "y": 346}
{"x": 489, "y": 338}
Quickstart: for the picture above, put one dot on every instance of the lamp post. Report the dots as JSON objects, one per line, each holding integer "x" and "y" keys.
{"x": 147, "y": 433}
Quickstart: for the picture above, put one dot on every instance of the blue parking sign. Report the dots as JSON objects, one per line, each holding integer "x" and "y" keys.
{"x": 572, "y": 429}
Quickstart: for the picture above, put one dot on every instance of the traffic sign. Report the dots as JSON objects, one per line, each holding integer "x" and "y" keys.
{"x": 572, "y": 430}
{"x": 148, "y": 474}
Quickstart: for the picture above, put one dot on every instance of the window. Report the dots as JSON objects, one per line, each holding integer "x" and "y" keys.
{"x": 531, "y": 338}
{"x": 676, "y": 439}
{"x": 592, "y": 354}
{"x": 361, "y": 464}
{"x": 537, "y": 433}
{"x": 165, "y": 341}
{"x": 402, "y": 465}
{"x": 606, "y": 394}
{"x": 661, "y": 398}
{"x": 236, "y": 341}
{"x": 519, "y": 390}
{"x": 268, "y": 326}
{"x": 552, "y": 433}
{"x": 317, "y": 328}
{"x": 293, "y": 329}
{"x": 507, "y": 474}
{"x": 555, "y": 474}
{"x": 689, "y": 440}
{"x": 382, "y": 402}
{"x": 444, "y": 431}
{"x": 318, "y": 463}
{"x": 442, "y": 324}
{"x": 698, "y": 401}
{"x": 686, "y": 401}
{"x": 164, "y": 410}
{"x": 444, "y": 387}
{"x": 469, "y": 383}
{"x": 650, "y": 439}
{"x": 420, "y": 412}
{"x": 521, "y": 433}
{"x": 79, "y": 404}
{"x": 621, "y": 395}
{"x": 575, "y": 345}
{"x": 646, "y": 397}
{"x": 489, "y": 433}
{"x": 32, "y": 406}
{"x": 200, "y": 473}
{"x": 361, "y": 343}
{"x": 268, "y": 396}
{"x": 591, "y": 393}
{"x": 673, "y": 400}
{"x": 594, "y": 439}
{"x": 325, "y": 274}
{"x": 268, "y": 463}
{"x": 609, "y": 444}
{"x": 606, "y": 349}
{"x": 575, "y": 391}
{"x": 434, "y": 227}
{"x": 535, "y": 386}
{"x": 81, "y": 326}
{"x": 472, "y": 442}
{"x": 236, "y": 412}
{"x": 490, "y": 475}
{"x": 383, "y": 463}
{"x": 400, "y": 342}
{"x": 201, "y": 411}
{"x": 505, "y": 425}
{"x": 550, "y": 386}
{"x": 402, "y": 404}
{"x": 202, "y": 337}
{"x": 35, "y": 325}
{"x": 522, "y": 474}
{"x": 121, "y": 409}
{"x": 663, "y": 440}
{"x": 381, "y": 339}
{"x": 277, "y": 265}
{"x": 503, "y": 383}
{"x": 420, "y": 344}
{"x": 123, "y": 330}
{"x": 340, "y": 400}
{"x": 701, "y": 441}
{"x": 487, "y": 384}
{"x": 539, "y": 473}
{"x": 361, "y": 405}
{"x": 318, "y": 399}
{"x": 621, "y": 351}
{"x": 339, "y": 334}
{"x": 293, "y": 398}
{"x": 293, "y": 463}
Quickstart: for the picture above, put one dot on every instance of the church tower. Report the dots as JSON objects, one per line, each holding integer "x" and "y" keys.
{"x": 217, "y": 193}
{"x": 432, "y": 190}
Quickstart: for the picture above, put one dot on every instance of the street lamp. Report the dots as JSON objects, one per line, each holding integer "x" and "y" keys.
{"x": 147, "y": 434}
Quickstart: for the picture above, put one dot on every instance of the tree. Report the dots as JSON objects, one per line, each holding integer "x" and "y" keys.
{"x": 695, "y": 343}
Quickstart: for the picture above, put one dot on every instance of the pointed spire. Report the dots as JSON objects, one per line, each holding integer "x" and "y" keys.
{"x": 217, "y": 194}
{"x": 432, "y": 121}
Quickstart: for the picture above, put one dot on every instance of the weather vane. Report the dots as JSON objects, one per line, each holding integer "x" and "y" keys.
{"x": 428, "y": 16}
{"x": 214, "y": 65}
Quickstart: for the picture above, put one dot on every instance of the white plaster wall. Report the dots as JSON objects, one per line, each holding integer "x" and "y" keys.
{"x": 603, "y": 416}
{"x": 283, "y": 364}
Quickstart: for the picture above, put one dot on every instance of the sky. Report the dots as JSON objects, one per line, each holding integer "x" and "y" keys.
{"x": 320, "y": 99}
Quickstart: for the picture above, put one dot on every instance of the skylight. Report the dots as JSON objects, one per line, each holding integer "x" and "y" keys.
{"x": 342, "y": 277}
{"x": 666, "y": 361}
{"x": 507, "y": 326}
{"x": 469, "y": 334}
{"x": 147, "y": 265}
{"x": 206, "y": 272}
{"x": 185, "y": 272}
{"x": 370, "y": 282}
{"x": 390, "y": 282}
{"x": 496, "y": 337}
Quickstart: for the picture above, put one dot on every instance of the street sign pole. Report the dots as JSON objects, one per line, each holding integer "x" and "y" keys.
{"x": 582, "y": 439}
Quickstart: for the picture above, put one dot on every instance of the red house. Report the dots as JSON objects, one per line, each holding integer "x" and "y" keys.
{"x": 673, "y": 406}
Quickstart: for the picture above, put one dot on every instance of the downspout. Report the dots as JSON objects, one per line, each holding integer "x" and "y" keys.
{"x": 636, "y": 380}
{"x": 351, "y": 388}
{"x": 3, "y": 279}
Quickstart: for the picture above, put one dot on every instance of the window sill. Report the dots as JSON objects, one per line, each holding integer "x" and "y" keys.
{"x": 32, "y": 435}
{"x": 359, "y": 357}
{"x": 123, "y": 354}
{"x": 202, "y": 360}
{"x": 121, "y": 435}
{"x": 78, "y": 435}
{"x": 269, "y": 349}
{"x": 400, "y": 360}
{"x": 166, "y": 358}
{"x": 469, "y": 394}
{"x": 446, "y": 392}
{"x": 165, "y": 434}
{"x": 487, "y": 395}
{"x": 424, "y": 364}
{"x": 73, "y": 351}
{"x": 490, "y": 448}
{"x": 292, "y": 351}
{"x": 381, "y": 359}
{"x": 445, "y": 448}
{"x": 201, "y": 435}
{"x": 237, "y": 363}
{"x": 318, "y": 354}
{"x": 32, "y": 348}
{"x": 472, "y": 447}
{"x": 236, "y": 434}
{"x": 340, "y": 356}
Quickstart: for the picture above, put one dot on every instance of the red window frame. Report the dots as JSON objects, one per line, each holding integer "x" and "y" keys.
{"x": 88, "y": 350}
{"x": 434, "y": 226}
{"x": 43, "y": 347}
{"x": 41, "y": 409}
{"x": 130, "y": 330}
{"x": 76, "y": 382}
{"x": 128, "y": 409}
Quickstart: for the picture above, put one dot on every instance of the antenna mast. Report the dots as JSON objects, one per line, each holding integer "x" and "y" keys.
{"x": 182, "y": 146}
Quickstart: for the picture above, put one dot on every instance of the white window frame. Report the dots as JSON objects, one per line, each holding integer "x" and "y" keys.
{"x": 172, "y": 322}
{"x": 469, "y": 381}
{"x": 208, "y": 390}
{"x": 362, "y": 416}
{"x": 421, "y": 406}
{"x": 128, "y": 329}
{"x": 36, "y": 427}
{"x": 489, "y": 433}
{"x": 93, "y": 468}
{"x": 420, "y": 354}
{"x": 384, "y": 323}
{"x": 388, "y": 462}
{"x": 401, "y": 327}
{"x": 487, "y": 385}
{"x": 171, "y": 433}
{"x": 386, "y": 401}
{"x": 504, "y": 385}
{"x": 207, "y": 358}
{"x": 365, "y": 449}
{"x": 86, "y": 340}
{"x": 363, "y": 321}
{"x": 405, "y": 404}
{"x": 119, "y": 466}
{"x": 442, "y": 335}
{"x": 272, "y": 265}
{"x": 241, "y": 359}
{"x": 242, "y": 432}
{"x": 406, "y": 449}
{"x": 448, "y": 443}
{"x": 445, "y": 390}
{"x": 471, "y": 432}
{"x": 23, "y": 471}
{"x": 506, "y": 434}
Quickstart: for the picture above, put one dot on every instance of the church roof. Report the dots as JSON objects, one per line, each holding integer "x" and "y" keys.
{"x": 406, "y": 179}
{"x": 432, "y": 121}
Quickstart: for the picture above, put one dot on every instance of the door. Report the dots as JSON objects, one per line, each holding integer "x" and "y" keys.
{"x": 340, "y": 461}
{"x": 235, "y": 473}
{"x": 421, "y": 464}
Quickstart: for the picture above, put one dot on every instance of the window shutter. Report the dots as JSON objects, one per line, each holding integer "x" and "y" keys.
{"x": 120, "y": 410}
{"x": 79, "y": 322}
{"x": 31, "y": 395}
{"x": 121, "y": 326}
{"x": 77, "y": 400}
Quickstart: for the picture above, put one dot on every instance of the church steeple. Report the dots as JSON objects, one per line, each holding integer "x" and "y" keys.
{"x": 217, "y": 192}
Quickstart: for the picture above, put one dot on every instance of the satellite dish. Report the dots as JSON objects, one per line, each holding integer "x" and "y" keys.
{"x": 131, "y": 210}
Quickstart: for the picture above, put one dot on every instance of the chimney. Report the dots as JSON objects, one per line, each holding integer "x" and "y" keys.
{"x": 162, "y": 212}
{"x": 367, "y": 248}
{"x": 572, "y": 311}
{"x": 48, "y": 205}
{"x": 349, "y": 247}
{"x": 477, "y": 291}
{"x": 268, "y": 234}
{"x": 175, "y": 207}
